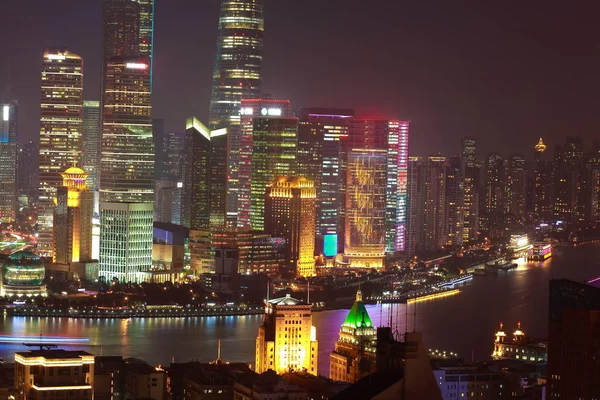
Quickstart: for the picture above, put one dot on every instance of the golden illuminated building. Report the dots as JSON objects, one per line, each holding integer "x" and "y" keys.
{"x": 52, "y": 374}
{"x": 286, "y": 339}
{"x": 354, "y": 355}
{"x": 60, "y": 131}
{"x": 73, "y": 215}
{"x": 520, "y": 347}
{"x": 290, "y": 212}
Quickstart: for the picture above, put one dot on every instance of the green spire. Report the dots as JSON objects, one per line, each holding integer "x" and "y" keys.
{"x": 358, "y": 317}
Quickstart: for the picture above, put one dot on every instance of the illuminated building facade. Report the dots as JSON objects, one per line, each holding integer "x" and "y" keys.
{"x": 23, "y": 274}
{"x": 290, "y": 212}
{"x": 518, "y": 246}
{"x": 494, "y": 185}
{"x": 520, "y": 347}
{"x": 569, "y": 181}
{"x": 146, "y": 32}
{"x": 427, "y": 203}
{"x": 240, "y": 159}
{"x": 274, "y": 141}
{"x": 470, "y": 173}
{"x": 322, "y": 139}
{"x": 91, "y": 141}
{"x": 73, "y": 219}
{"x": 121, "y": 29}
{"x": 516, "y": 187}
{"x": 353, "y": 357}
{"x": 286, "y": 339}
{"x": 393, "y": 137}
{"x": 236, "y": 76}
{"x": 455, "y": 195}
{"x": 60, "y": 131}
{"x": 54, "y": 374}
{"x": 237, "y": 72}
{"x": 8, "y": 161}
{"x": 542, "y": 190}
{"x": 127, "y": 155}
{"x": 366, "y": 208}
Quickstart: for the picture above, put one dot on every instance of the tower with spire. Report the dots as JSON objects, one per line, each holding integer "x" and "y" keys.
{"x": 353, "y": 357}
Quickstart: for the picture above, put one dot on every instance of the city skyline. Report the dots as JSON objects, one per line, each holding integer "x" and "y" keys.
{"x": 474, "y": 95}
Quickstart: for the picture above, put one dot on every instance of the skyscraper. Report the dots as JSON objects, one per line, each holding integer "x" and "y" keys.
{"x": 455, "y": 196}
{"x": 146, "y": 32}
{"x": 240, "y": 164}
{"x": 60, "y": 131}
{"x": 28, "y": 170}
{"x": 470, "y": 172}
{"x": 91, "y": 141}
{"x": 237, "y": 72}
{"x": 427, "y": 207}
{"x": 286, "y": 339}
{"x": 516, "y": 187}
{"x": 274, "y": 141}
{"x": 494, "y": 185}
{"x": 121, "y": 29}
{"x": 8, "y": 160}
{"x": 126, "y": 170}
{"x": 542, "y": 186}
{"x": 73, "y": 219}
{"x": 365, "y": 208}
{"x": 236, "y": 76}
{"x": 568, "y": 180}
{"x": 290, "y": 212}
{"x": 322, "y": 138}
{"x": 391, "y": 136}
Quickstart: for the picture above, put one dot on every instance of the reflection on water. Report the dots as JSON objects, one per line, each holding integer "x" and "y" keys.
{"x": 464, "y": 323}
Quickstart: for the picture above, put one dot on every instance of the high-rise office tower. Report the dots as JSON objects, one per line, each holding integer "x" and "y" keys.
{"x": 471, "y": 181}
{"x": 121, "y": 30}
{"x": 427, "y": 203}
{"x": 236, "y": 76}
{"x": 73, "y": 219}
{"x": 543, "y": 184}
{"x": 494, "y": 185}
{"x": 237, "y": 72}
{"x": 240, "y": 164}
{"x": 217, "y": 165}
{"x": 172, "y": 161}
{"x": 146, "y": 32}
{"x": 158, "y": 137}
{"x": 569, "y": 181}
{"x": 126, "y": 170}
{"x": 516, "y": 187}
{"x": 322, "y": 137}
{"x": 366, "y": 208}
{"x": 391, "y": 136}
{"x": 287, "y": 340}
{"x": 455, "y": 196}
{"x": 572, "y": 340}
{"x": 290, "y": 212}
{"x": 274, "y": 141}
{"x": 91, "y": 141}
{"x": 28, "y": 170}
{"x": 60, "y": 131}
{"x": 8, "y": 160}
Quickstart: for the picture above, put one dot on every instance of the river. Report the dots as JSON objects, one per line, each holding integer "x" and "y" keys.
{"x": 464, "y": 323}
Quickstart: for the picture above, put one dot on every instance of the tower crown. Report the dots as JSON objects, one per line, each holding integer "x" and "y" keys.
{"x": 540, "y": 146}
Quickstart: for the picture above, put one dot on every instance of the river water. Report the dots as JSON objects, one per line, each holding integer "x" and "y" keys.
{"x": 464, "y": 323}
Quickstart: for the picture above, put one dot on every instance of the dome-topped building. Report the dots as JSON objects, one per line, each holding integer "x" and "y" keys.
{"x": 23, "y": 274}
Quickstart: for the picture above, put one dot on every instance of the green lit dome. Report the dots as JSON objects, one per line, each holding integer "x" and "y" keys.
{"x": 23, "y": 268}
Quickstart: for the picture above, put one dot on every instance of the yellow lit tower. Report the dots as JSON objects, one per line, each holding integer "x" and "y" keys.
{"x": 73, "y": 215}
{"x": 354, "y": 355}
{"x": 286, "y": 339}
{"x": 290, "y": 212}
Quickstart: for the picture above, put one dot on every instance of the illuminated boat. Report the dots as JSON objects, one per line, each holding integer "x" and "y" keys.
{"x": 541, "y": 251}
{"x": 42, "y": 339}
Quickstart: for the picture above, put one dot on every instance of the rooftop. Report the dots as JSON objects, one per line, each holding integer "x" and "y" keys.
{"x": 54, "y": 354}
{"x": 358, "y": 317}
{"x": 287, "y": 301}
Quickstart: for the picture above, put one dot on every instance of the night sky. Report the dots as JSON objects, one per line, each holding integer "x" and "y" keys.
{"x": 506, "y": 72}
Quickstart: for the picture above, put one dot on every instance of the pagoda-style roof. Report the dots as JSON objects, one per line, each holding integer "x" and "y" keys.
{"x": 358, "y": 317}
{"x": 287, "y": 301}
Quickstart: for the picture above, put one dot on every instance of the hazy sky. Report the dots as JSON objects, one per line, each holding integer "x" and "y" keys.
{"x": 506, "y": 72}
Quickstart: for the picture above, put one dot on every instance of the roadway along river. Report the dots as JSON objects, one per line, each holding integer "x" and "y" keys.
{"x": 464, "y": 323}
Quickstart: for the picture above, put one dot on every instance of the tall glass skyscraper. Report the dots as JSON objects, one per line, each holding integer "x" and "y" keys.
{"x": 146, "y": 31}
{"x": 8, "y": 160}
{"x": 236, "y": 76}
{"x": 60, "y": 131}
{"x": 91, "y": 141}
{"x": 273, "y": 154}
{"x": 240, "y": 175}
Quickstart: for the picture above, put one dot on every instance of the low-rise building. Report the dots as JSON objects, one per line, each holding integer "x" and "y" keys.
{"x": 520, "y": 347}
{"x": 266, "y": 386}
